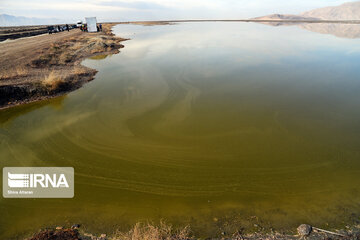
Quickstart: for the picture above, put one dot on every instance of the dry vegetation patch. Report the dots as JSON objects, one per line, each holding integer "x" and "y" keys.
{"x": 148, "y": 231}
{"x": 61, "y": 234}
{"x": 53, "y": 81}
{"x": 13, "y": 73}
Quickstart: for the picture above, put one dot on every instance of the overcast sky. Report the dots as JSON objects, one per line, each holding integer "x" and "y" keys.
{"x": 123, "y": 10}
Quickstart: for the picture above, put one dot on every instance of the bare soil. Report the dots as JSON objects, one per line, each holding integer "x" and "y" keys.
{"x": 53, "y": 234}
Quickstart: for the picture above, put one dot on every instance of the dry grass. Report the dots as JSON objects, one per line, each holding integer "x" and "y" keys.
{"x": 68, "y": 51}
{"x": 98, "y": 44}
{"x": 53, "y": 81}
{"x": 150, "y": 232}
{"x": 80, "y": 71}
{"x": 77, "y": 46}
{"x": 65, "y": 58}
{"x": 55, "y": 46}
{"x": 14, "y": 73}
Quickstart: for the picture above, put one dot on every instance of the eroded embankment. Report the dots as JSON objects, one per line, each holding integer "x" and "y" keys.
{"x": 50, "y": 65}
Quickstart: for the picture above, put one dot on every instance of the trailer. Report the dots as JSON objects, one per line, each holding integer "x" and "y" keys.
{"x": 91, "y": 24}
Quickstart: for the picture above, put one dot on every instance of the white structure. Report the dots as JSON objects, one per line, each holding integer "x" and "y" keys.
{"x": 91, "y": 24}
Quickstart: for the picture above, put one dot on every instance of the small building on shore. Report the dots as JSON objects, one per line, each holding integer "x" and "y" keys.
{"x": 91, "y": 24}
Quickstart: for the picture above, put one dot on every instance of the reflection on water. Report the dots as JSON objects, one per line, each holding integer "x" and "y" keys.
{"x": 7, "y": 115}
{"x": 338, "y": 30}
{"x": 216, "y": 125}
{"x": 99, "y": 57}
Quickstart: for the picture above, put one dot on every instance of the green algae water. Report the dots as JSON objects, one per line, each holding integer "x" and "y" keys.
{"x": 220, "y": 126}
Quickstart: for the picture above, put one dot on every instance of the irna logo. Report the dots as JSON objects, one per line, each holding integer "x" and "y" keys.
{"x": 16, "y": 180}
{"x": 38, "y": 182}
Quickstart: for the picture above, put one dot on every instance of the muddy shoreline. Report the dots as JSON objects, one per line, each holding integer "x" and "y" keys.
{"x": 167, "y": 231}
{"x": 49, "y": 66}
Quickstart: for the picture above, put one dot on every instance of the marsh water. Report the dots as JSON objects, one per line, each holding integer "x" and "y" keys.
{"x": 220, "y": 126}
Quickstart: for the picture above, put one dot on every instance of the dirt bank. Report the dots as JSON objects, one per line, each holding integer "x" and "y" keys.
{"x": 46, "y": 66}
{"x": 165, "y": 231}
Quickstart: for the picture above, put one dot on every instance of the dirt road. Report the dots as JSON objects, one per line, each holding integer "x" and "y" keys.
{"x": 20, "y": 51}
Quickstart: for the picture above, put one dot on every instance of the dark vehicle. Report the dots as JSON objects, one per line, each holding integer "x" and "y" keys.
{"x": 52, "y": 29}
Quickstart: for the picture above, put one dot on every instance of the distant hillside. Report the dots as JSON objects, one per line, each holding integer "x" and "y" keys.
{"x": 9, "y": 20}
{"x": 285, "y": 17}
{"x": 346, "y": 11}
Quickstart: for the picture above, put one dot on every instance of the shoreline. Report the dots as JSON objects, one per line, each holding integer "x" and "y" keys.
{"x": 164, "y": 230}
{"x": 50, "y": 65}
{"x": 238, "y": 20}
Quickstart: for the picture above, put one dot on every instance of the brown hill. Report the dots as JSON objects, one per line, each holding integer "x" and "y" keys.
{"x": 346, "y": 11}
{"x": 289, "y": 17}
